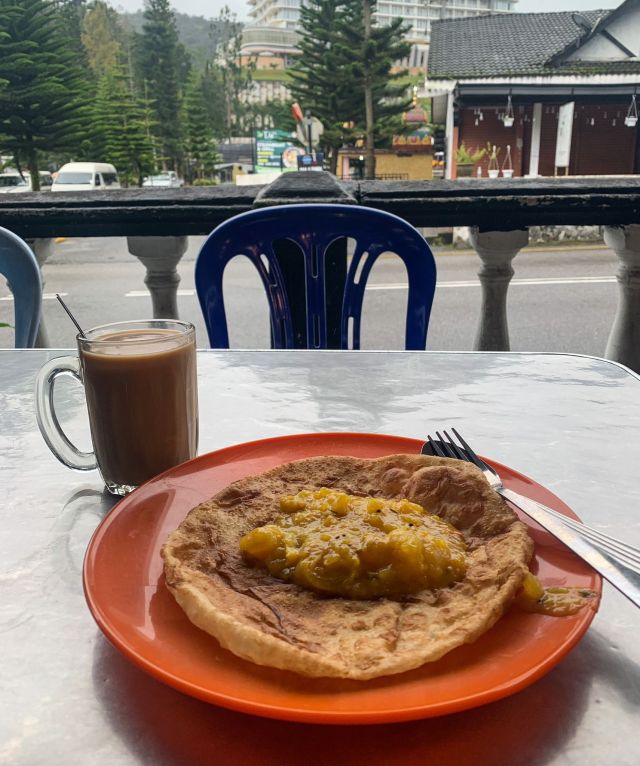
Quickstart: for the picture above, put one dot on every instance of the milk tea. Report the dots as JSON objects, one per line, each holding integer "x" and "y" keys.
{"x": 142, "y": 398}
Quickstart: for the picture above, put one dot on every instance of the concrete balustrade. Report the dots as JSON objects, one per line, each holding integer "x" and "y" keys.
{"x": 157, "y": 223}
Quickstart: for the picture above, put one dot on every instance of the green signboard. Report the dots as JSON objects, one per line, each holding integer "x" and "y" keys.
{"x": 276, "y": 151}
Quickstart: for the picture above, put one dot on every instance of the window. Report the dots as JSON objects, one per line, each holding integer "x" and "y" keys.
{"x": 73, "y": 178}
{"x": 110, "y": 179}
{"x": 7, "y": 182}
{"x": 96, "y": 180}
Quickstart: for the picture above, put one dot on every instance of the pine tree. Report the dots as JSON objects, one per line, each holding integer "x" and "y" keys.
{"x": 235, "y": 78}
{"x": 323, "y": 80}
{"x": 43, "y": 101}
{"x": 101, "y": 37}
{"x": 373, "y": 51}
{"x": 123, "y": 128}
{"x": 202, "y": 155}
{"x": 214, "y": 97}
{"x": 161, "y": 62}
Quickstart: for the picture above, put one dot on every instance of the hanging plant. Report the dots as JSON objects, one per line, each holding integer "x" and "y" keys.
{"x": 631, "y": 120}
{"x": 509, "y": 117}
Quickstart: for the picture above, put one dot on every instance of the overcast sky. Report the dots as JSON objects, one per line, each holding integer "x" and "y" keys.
{"x": 211, "y": 8}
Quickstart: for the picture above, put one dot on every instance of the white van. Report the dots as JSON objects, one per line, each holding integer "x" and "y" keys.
{"x": 86, "y": 176}
{"x": 11, "y": 181}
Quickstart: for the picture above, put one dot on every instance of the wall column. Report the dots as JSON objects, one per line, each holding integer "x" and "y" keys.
{"x": 451, "y": 137}
{"x": 536, "y": 128}
{"x": 160, "y": 256}
{"x": 496, "y": 250}
{"x": 624, "y": 341}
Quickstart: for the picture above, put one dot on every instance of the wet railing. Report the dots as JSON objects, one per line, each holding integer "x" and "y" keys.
{"x": 157, "y": 223}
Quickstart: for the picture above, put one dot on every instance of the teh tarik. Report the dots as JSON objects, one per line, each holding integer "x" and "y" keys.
{"x": 142, "y": 399}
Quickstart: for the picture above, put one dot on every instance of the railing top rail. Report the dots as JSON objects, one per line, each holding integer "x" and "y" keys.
{"x": 499, "y": 204}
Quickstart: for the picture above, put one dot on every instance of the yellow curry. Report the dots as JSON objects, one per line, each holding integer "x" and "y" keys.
{"x": 557, "y": 601}
{"x": 357, "y": 547}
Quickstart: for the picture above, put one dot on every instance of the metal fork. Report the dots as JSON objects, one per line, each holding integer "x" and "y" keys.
{"x": 626, "y": 554}
{"x": 604, "y": 560}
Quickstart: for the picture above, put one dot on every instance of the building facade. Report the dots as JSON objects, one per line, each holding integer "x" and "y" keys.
{"x": 281, "y": 14}
{"x": 544, "y": 93}
{"x": 285, "y": 14}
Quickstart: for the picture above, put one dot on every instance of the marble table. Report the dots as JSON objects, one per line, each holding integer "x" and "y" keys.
{"x": 68, "y": 697}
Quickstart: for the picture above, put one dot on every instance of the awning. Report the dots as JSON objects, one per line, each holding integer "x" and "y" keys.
{"x": 434, "y": 88}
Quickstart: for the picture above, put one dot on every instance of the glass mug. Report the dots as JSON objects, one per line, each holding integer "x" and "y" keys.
{"x": 140, "y": 385}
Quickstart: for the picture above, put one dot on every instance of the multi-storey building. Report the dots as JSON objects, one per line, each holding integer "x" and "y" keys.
{"x": 269, "y": 41}
{"x": 285, "y": 14}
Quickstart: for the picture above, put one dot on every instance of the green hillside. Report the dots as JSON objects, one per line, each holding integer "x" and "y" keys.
{"x": 199, "y": 36}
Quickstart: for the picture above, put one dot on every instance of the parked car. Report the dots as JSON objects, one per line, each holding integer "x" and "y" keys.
{"x": 170, "y": 178}
{"x": 86, "y": 176}
{"x": 11, "y": 181}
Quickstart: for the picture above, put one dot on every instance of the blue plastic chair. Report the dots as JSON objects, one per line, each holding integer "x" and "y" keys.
{"x": 313, "y": 229}
{"x": 20, "y": 267}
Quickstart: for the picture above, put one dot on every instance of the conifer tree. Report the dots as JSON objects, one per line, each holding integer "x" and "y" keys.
{"x": 345, "y": 74}
{"x": 161, "y": 61}
{"x": 101, "y": 37}
{"x": 202, "y": 155}
{"x": 43, "y": 101}
{"x": 214, "y": 98}
{"x": 123, "y": 127}
{"x": 323, "y": 82}
{"x": 373, "y": 50}
{"x": 234, "y": 77}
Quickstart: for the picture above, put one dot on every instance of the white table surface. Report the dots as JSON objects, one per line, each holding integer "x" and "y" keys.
{"x": 68, "y": 697}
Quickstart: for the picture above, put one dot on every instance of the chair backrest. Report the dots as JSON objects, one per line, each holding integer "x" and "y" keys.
{"x": 313, "y": 230}
{"x": 20, "y": 267}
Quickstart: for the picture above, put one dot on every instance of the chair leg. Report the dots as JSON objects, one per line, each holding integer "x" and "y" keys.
{"x": 42, "y": 249}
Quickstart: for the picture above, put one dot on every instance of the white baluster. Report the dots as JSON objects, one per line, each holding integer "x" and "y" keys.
{"x": 496, "y": 250}
{"x": 624, "y": 341}
{"x": 160, "y": 256}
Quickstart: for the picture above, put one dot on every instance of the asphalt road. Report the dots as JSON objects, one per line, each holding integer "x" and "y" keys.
{"x": 559, "y": 300}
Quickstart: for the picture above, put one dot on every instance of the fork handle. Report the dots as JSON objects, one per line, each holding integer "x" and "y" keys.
{"x": 620, "y": 576}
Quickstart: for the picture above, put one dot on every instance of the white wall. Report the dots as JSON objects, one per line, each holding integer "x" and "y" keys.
{"x": 625, "y": 28}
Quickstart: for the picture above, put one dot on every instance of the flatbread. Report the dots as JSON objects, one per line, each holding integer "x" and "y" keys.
{"x": 271, "y": 622}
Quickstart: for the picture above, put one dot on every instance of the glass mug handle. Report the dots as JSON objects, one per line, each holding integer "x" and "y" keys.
{"x": 52, "y": 433}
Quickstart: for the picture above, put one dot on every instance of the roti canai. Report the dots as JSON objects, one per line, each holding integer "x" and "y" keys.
{"x": 261, "y": 614}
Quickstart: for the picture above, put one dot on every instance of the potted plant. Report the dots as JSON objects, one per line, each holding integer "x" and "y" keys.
{"x": 467, "y": 159}
{"x": 493, "y": 151}
{"x": 507, "y": 165}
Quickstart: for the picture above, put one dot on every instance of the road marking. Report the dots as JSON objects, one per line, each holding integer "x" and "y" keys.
{"x": 536, "y": 281}
{"x": 401, "y": 286}
{"x": 45, "y": 296}
{"x": 145, "y": 293}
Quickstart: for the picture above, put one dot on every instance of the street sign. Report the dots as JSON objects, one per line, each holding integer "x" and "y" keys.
{"x": 311, "y": 161}
{"x": 309, "y": 128}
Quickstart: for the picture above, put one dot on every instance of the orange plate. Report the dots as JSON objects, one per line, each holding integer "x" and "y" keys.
{"x": 125, "y": 589}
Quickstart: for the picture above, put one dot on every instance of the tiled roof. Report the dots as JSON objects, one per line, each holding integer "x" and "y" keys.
{"x": 512, "y": 44}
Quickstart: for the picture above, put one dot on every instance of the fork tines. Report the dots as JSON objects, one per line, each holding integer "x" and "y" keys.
{"x": 445, "y": 446}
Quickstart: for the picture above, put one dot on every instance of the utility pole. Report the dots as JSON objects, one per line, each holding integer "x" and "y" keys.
{"x": 370, "y": 156}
